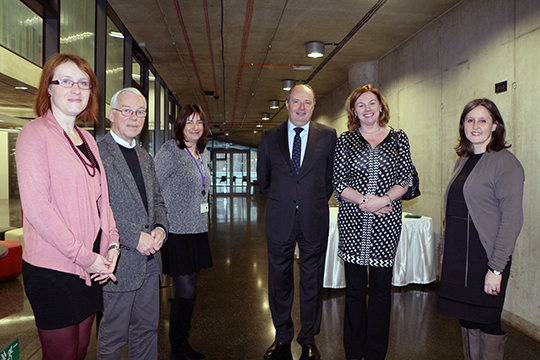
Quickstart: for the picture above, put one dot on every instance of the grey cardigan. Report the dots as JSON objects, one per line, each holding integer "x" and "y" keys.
{"x": 494, "y": 196}
{"x": 181, "y": 187}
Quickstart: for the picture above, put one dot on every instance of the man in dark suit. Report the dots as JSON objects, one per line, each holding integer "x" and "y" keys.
{"x": 295, "y": 174}
{"x": 131, "y": 305}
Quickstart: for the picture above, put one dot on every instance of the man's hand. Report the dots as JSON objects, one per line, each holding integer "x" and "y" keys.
{"x": 159, "y": 235}
{"x": 147, "y": 245}
{"x": 150, "y": 243}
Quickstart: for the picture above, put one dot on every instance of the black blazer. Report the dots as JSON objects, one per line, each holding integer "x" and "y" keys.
{"x": 310, "y": 190}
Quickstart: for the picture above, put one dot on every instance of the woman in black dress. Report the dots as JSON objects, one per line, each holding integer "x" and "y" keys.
{"x": 484, "y": 216}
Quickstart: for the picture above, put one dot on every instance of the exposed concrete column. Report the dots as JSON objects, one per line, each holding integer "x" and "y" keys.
{"x": 363, "y": 73}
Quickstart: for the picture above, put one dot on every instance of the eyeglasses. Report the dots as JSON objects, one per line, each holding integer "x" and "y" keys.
{"x": 129, "y": 112}
{"x": 66, "y": 83}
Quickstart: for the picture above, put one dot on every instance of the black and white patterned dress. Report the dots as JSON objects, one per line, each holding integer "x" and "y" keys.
{"x": 365, "y": 238}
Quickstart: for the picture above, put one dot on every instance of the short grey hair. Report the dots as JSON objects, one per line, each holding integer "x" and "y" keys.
{"x": 114, "y": 99}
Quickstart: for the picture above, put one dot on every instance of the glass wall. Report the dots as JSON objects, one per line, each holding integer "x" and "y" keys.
{"x": 115, "y": 60}
{"x": 135, "y": 71}
{"x": 151, "y": 111}
{"x": 77, "y": 28}
{"x": 21, "y": 30}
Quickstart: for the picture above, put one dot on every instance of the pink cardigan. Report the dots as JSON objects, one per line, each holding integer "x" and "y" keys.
{"x": 58, "y": 198}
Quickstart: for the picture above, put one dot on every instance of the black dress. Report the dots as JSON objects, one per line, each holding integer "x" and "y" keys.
{"x": 465, "y": 262}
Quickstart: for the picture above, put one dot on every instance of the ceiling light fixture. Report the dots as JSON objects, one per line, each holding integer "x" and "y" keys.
{"x": 21, "y": 88}
{"x": 259, "y": 124}
{"x": 254, "y": 131}
{"x": 226, "y": 133}
{"x": 315, "y": 49}
{"x": 288, "y": 84}
{"x": 265, "y": 116}
{"x": 274, "y": 104}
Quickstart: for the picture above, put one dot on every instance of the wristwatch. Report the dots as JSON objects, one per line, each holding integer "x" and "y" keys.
{"x": 497, "y": 273}
{"x": 114, "y": 246}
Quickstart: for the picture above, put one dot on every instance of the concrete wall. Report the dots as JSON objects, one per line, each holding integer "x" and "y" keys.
{"x": 427, "y": 81}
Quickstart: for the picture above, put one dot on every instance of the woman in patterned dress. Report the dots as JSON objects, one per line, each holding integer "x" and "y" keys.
{"x": 372, "y": 171}
{"x": 484, "y": 215}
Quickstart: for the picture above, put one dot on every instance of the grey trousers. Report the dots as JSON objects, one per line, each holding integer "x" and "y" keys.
{"x": 131, "y": 317}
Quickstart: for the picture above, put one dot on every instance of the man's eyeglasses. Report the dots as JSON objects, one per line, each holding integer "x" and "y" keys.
{"x": 129, "y": 112}
{"x": 66, "y": 83}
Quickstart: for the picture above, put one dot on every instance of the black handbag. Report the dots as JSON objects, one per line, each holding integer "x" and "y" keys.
{"x": 414, "y": 185}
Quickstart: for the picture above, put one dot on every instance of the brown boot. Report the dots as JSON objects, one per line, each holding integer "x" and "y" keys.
{"x": 471, "y": 343}
{"x": 492, "y": 347}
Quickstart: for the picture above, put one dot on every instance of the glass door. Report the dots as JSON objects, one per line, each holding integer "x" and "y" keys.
{"x": 232, "y": 172}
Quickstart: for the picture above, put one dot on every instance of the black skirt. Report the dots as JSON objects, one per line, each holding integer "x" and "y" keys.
{"x": 59, "y": 299}
{"x": 185, "y": 254}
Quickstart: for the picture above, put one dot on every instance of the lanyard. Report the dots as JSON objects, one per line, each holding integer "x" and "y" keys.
{"x": 201, "y": 168}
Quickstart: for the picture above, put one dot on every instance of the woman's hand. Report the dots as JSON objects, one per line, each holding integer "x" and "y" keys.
{"x": 385, "y": 210}
{"x": 375, "y": 204}
{"x": 102, "y": 268}
{"x": 492, "y": 284}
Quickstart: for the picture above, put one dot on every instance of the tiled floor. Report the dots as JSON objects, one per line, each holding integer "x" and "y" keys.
{"x": 232, "y": 320}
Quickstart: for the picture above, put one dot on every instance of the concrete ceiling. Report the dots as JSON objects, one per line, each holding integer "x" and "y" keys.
{"x": 242, "y": 50}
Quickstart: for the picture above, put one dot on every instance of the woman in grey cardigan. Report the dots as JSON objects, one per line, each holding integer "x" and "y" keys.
{"x": 182, "y": 171}
{"x": 484, "y": 215}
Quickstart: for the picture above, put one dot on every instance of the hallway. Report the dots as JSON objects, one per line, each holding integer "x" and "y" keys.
{"x": 232, "y": 319}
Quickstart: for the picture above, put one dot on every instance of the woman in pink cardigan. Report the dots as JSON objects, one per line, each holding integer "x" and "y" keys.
{"x": 71, "y": 240}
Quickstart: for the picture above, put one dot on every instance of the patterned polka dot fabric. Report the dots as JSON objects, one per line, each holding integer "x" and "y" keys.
{"x": 365, "y": 238}
{"x": 297, "y": 149}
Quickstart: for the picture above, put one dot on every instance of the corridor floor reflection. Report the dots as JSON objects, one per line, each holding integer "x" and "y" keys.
{"x": 232, "y": 320}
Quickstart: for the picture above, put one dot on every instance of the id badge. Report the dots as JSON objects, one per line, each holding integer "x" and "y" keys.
{"x": 204, "y": 208}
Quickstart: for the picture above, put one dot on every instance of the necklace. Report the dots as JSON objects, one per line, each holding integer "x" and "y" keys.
{"x": 371, "y": 132}
{"x": 87, "y": 165}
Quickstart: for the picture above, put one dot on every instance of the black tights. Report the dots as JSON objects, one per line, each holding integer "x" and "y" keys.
{"x": 185, "y": 286}
{"x": 492, "y": 329}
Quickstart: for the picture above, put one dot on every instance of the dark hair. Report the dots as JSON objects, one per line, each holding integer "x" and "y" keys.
{"x": 354, "y": 123}
{"x": 180, "y": 124}
{"x": 301, "y": 85}
{"x": 43, "y": 102}
{"x": 497, "y": 143}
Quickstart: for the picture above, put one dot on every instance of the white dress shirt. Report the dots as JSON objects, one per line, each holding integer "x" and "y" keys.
{"x": 303, "y": 136}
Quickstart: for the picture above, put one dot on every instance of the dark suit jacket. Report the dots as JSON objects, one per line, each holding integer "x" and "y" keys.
{"x": 310, "y": 190}
{"x": 129, "y": 211}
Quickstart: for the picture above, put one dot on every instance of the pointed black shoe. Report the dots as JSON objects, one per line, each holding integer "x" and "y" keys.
{"x": 278, "y": 351}
{"x": 310, "y": 352}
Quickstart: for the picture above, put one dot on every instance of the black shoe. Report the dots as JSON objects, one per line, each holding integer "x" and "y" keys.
{"x": 278, "y": 351}
{"x": 310, "y": 352}
{"x": 185, "y": 352}
{"x": 191, "y": 353}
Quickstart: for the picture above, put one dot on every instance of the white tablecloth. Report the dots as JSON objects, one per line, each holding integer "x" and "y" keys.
{"x": 415, "y": 261}
{"x": 334, "y": 269}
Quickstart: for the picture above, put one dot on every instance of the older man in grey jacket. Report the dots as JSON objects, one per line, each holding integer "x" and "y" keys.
{"x": 131, "y": 305}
